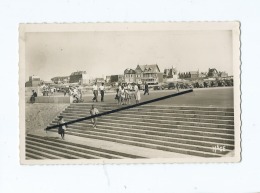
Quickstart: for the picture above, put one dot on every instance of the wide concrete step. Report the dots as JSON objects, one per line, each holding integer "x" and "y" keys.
{"x": 165, "y": 124}
{"x": 155, "y": 127}
{"x": 187, "y": 130}
{"x": 151, "y": 119}
{"x": 80, "y": 152}
{"x": 165, "y": 116}
{"x": 32, "y": 156}
{"x": 113, "y": 105}
{"x": 185, "y": 139}
{"x": 161, "y": 131}
{"x": 53, "y": 152}
{"x": 146, "y": 121}
{"x": 156, "y": 111}
{"x": 45, "y": 154}
{"x": 159, "y": 140}
{"x": 177, "y": 133}
{"x": 145, "y": 144}
{"x": 61, "y": 151}
{"x": 76, "y": 149}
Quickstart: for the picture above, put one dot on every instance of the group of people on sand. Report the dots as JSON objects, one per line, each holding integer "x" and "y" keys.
{"x": 124, "y": 94}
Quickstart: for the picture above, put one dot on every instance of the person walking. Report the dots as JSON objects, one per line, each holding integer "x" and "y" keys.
{"x": 177, "y": 86}
{"x": 122, "y": 95}
{"x": 127, "y": 97}
{"x": 137, "y": 94}
{"x": 94, "y": 111}
{"x": 62, "y": 128}
{"x": 119, "y": 90}
{"x": 95, "y": 92}
{"x": 102, "y": 91}
{"x": 146, "y": 89}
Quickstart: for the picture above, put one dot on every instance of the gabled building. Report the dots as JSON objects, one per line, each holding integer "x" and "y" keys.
{"x": 212, "y": 73}
{"x": 80, "y": 77}
{"x": 117, "y": 78}
{"x": 60, "y": 79}
{"x": 99, "y": 80}
{"x": 202, "y": 75}
{"x": 170, "y": 74}
{"x": 194, "y": 74}
{"x": 108, "y": 79}
{"x": 148, "y": 73}
{"x": 223, "y": 74}
{"x": 130, "y": 75}
{"x": 138, "y": 74}
{"x": 34, "y": 81}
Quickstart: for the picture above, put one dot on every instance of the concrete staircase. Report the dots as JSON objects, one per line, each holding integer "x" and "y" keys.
{"x": 38, "y": 147}
{"x": 196, "y": 131}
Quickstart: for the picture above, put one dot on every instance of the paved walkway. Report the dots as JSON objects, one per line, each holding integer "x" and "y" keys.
{"x": 209, "y": 97}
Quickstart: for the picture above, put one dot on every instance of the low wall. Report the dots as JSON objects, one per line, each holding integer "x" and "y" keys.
{"x": 50, "y": 99}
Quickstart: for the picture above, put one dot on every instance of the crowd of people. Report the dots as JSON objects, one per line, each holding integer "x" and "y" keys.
{"x": 75, "y": 93}
{"x": 124, "y": 94}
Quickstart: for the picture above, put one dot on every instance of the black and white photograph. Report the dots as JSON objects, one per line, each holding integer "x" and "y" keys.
{"x": 129, "y": 93}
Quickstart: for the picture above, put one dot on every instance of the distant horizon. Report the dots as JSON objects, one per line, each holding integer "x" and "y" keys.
{"x": 105, "y": 53}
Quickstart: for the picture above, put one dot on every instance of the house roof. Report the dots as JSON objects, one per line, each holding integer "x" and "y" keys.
{"x": 194, "y": 72}
{"x": 149, "y": 68}
{"x": 129, "y": 71}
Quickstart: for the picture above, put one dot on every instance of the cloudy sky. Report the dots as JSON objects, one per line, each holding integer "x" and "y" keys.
{"x": 106, "y": 53}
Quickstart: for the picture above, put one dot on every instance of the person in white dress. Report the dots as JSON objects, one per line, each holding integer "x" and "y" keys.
{"x": 95, "y": 92}
{"x": 122, "y": 95}
{"x": 137, "y": 94}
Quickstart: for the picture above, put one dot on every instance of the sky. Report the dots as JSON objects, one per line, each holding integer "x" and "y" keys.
{"x": 50, "y": 54}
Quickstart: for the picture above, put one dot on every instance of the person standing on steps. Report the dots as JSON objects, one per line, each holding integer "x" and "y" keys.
{"x": 62, "y": 128}
{"x": 102, "y": 91}
{"x": 94, "y": 111}
{"x": 95, "y": 92}
{"x": 146, "y": 88}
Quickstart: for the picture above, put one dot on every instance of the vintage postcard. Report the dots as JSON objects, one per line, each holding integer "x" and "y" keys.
{"x": 99, "y": 93}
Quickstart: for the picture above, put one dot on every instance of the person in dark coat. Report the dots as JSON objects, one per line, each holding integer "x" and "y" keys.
{"x": 177, "y": 87}
{"x": 102, "y": 91}
{"x": 146, "y": 89}
{"x": 34, "y": 95}
{"x": 62, "y": 128}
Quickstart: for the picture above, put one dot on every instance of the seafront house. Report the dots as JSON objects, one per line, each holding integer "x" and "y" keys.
{"x": 130, "y": 75}
{"x": 148, "y": 73}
